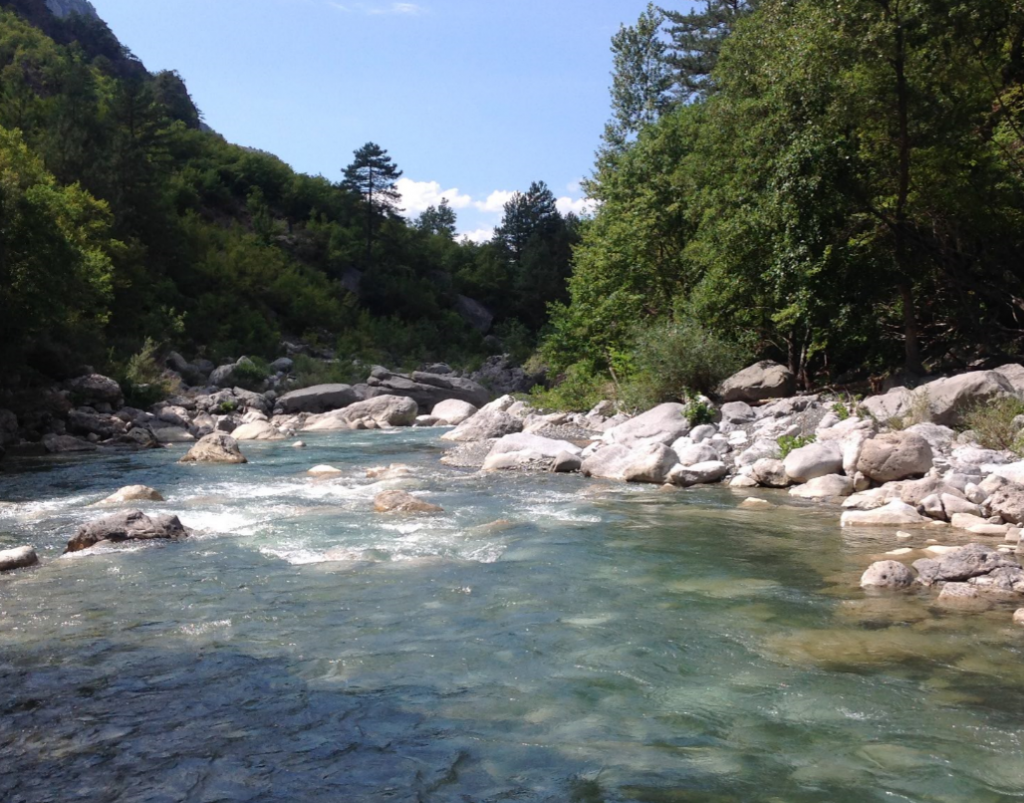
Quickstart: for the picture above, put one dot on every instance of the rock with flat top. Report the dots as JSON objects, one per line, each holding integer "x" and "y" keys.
{"x": 814, "y": 460}
{"x": 895, "y": 456}
{"x": 663, "y": 424}
{"x": 650, "y": 462}
{"x": 524, "y": 451}
{"x": 317, "y": 399}
{"x": 763, "y": 380}
{"x": 130, "y": 525}
{"x": 486, "y": 424}
{"x": 257, "y": 431}
{"x": 831, "y": 486}
{"x": 453, "y": 411}
{"x": 893, "y": 514}
{"x": 698, "y": 474}
{"x": 1008, "y": 502}
{"x": 382, "y": 411}
{"x": 962, "y": 563}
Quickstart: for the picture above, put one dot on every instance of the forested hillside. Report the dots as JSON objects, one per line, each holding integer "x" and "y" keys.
{"x": 838, "y": 185}
{"x": 124, "y": 219}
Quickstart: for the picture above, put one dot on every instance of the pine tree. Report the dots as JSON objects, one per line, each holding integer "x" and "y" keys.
{"x": 373, "y": 176}
{"x": 697, "y": 38}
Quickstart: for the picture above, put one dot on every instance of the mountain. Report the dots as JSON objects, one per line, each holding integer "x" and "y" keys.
{"x": 65, "y": 8}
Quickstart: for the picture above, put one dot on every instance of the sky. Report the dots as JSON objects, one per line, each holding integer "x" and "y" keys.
{"x": 472, "y": 99}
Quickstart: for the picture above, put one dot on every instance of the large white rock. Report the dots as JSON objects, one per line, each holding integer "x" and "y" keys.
{"x": 608, "y": 462}
{"x": 662, "y": 424}
{"x": 257, "y": 431}
{"x": 770, "y": 473}
{"x": 763, "y": 380}
{"x": 829, "y": 486}
{"x": 894, "y": 513}
{"x": 650, "y": 462}
{"x": 696, "y": 453}
{"x": 887, "y": 574}
{"x": 895, "y": 403}
{"x": 522, "y": 450}
{"x": 317, "y": 399}
{"x": 217, "y": 447}
{"x": 453, "y": 411}
{"x": 384, "y": 411}
{"x": 948, "y": 398}
{"x": 813, "y": 460}
{"x": 486, "y": 424}
{"x": 132, "y": 493}
{"x": 895, "y": 456}
{"x": 698, "y": 474}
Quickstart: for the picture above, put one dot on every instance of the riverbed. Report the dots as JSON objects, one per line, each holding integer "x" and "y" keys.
{"x": 546, "y": 638}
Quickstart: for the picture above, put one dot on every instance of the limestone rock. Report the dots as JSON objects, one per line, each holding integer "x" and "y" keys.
{"x": 257, "y": 431}
{"x": 753, "y": 503}
{"x": 524, "y": 451}
{"x": 694, "y": 453}
{"x": 566, "y": 463}
{"x": 132, "y": 493}
{"x": 18, "y": 558}
{"x": 895, "y": 513}
{"x": 453, "y": 411}
{"x": 391, "y": 472}
{"x": 1018, "y": 617}
{"x": 770, "y": 473}
{"x": 896, "y": 403}
{"x": 650, "y": 462}
{"x": 402, "y": 502}
{"x": 130, "y": 525}
{"x": 63, "y": 444}
{"x": 486, "y": 424}
{"x": 948, "y": 398}
{"x": 608, "y": 462}
{"x": 317, "y": 399}
{"x": 813, "y": 460}
{"x": 889, "y": 574}
{"x": 830, "y": 486}
{"x": 95, "y": 389}
{"x": 428, "y": 390}
{"x": 763, "y": 380}
{"x": 895, "y": 456}
{"x": 324, "y": 471}
{"x": 737, "y": 412}
{"x": 1008, "y": 503}
{"x": 962, "y": 563}
{"x": 698, "y": 474}
{"x": 662, "y": 424}
{"x": 217, "y": 447}
{"x": 384, "y": 411}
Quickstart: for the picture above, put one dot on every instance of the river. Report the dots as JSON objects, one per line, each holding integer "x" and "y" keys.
{"x": 547, "y": 638}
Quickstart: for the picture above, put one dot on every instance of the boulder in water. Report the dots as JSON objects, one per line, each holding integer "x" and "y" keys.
{"x": 217, "y": 447}
{"x": 132, "y": 493}
{"x": 130, "y": 525}
{"x": 18, "y": 558}
{"x": 402, "y": 502}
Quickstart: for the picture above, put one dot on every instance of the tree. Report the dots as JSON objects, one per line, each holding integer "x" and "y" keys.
{"x": 697, "y": 39}
{"x": 641, "y": 79}
{"x": 438, "y": 219}
{"x": 373, "y": 176}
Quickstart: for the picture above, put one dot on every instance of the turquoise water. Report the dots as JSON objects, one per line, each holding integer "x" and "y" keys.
{"x": 547, "y": 638}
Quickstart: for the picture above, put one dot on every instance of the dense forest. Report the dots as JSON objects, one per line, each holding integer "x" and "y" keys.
{"x": 836, "y": 184}
{"x": 124, "y": 219}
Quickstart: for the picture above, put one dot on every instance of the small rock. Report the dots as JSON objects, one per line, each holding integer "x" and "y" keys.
{"x": 566, "y": 463}
{"x": 299, "y": 445}
{"x": 887, "y": 574}
{"x": 133, "y": 493}
{"x": 324, "y": 471}
{"x": 894, "y": 513}
{"x": 1018, "y": 617}
{"x": 217, "y": 447}
{"x": 18, "y": 558}
{"x": 753, "y": 503}
{"x": 392, "y": 472}
{"x": 402, "y": 502}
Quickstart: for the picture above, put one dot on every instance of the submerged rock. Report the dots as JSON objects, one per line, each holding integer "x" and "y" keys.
{"x": 18, "y": 558}
{"x": 130, "y": 525}
{"x": 217, "y": 447}
{"x": 402, "y": 502}
{"x": 132, "y": 493}
{"x": 895, "y": 513}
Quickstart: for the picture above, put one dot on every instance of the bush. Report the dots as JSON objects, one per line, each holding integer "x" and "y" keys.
{"x": 251, "y": 373}
{"x": 142, "y": 378}
{"x": 670, "y": 359}
{"x": 699, "y": 411}
{"x": 579, "y": 389}
{"x": 787, "y": 443}
{"x": 309, "y": 371}
{"x": 994, "y": 424}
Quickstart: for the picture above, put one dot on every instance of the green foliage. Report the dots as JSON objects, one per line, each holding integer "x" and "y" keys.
{"x": 226, "y": 407}
{"x": 699, "y": 411}
{"x": 672, "y": 359}
{"x": 142, "y": 378}
{"x": 309, "y": 371}
{"x": 579, "y": 388}
{"x": 787, "y": 443}
{"x": 996, "y": 424}
{"x": 251, "y": 373}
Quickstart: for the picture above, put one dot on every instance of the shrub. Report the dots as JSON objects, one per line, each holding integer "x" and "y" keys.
{"x": 579, "y": 389}
{"x": 787, "y": 443}
{"x": 994, "y": 423}
{"x": 699, "y": 411}
{"x": 309, "y": 371}
{"x": 670, "y": 358}
{"x": 142, "y": 378}
{"x": 251, "y": 373}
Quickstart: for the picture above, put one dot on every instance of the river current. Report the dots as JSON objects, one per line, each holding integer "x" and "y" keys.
{"x": 547, "y": 638}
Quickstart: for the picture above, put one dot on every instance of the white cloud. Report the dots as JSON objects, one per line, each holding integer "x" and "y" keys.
{"x": 418, "y": 195}
{"x": 495, "y": 201}
{"x": 578, "y": 206}
{"x": 403, "y": 9}
{"x": 574, "y": 186}
{"x": 477, "y": 235}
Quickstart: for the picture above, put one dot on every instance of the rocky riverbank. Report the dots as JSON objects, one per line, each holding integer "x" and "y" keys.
{"x": 899, "y": 460}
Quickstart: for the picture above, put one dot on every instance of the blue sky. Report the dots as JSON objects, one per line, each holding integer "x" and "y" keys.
{"x": 473, "y": 99}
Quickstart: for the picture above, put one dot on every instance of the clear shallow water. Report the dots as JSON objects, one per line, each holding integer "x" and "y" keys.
{"x": 546, "y": 639}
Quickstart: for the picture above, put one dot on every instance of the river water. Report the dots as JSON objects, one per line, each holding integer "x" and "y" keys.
{"x": 547, "y": 638}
